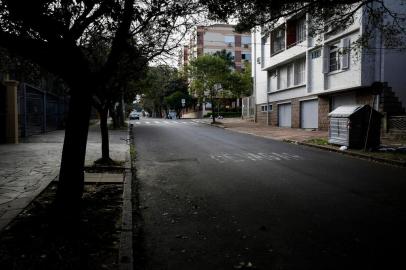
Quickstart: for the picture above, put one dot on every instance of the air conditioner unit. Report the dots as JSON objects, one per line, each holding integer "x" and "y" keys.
{"x": 230, "y": 44}
{"x": 246, "y": 46}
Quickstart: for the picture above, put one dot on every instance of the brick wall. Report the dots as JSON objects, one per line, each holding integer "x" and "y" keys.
{"x": 261, "y": 116}
{"x": 295, "y": 113}
{"x": 274, "y": 114}
{"x": 324, "y": 109}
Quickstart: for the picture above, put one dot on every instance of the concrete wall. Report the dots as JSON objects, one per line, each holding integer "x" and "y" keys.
{"x": 260, "y": 75}
{"x": 366, "y": 66}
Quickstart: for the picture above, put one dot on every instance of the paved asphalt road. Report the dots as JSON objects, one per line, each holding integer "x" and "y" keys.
{"x": 214, "y": 199}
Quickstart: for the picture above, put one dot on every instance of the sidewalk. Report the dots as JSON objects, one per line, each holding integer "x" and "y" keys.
{"x": 26, "y": 169}
{"x": 270, "y": 132}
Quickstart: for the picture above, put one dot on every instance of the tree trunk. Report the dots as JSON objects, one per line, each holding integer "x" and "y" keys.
{"x": 71, "y": 175}
{"x": 113, "y": 115}
{"x": 104, "y": 134}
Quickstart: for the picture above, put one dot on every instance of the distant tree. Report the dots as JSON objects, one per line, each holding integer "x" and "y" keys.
{"x": 239, "y": 83}
{"x": 227, "y": 56}
{"x": 208, "y": 73}
{"x": 155, "y": 86}
{"x": 54, "y": 33}
{"x": 178, "y": 87}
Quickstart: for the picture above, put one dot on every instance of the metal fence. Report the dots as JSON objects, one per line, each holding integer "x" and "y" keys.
{"x": 397, "y": 123}
{"x": 248, "y": 107}
{"x": 40, "y": 111}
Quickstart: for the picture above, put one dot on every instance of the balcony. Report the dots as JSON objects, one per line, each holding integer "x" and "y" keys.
{"x": 286, "y": 55}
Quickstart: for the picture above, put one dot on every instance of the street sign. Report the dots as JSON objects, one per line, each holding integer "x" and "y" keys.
{"x": 183, "y": 101}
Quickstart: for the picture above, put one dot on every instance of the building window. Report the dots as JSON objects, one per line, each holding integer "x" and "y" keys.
{"x": 270, "y": 108}
{"x": 315, "y": 54}
{"x": 263, "y": 50}
{"x": 246, "y": 41}
{"x": 301, "y": 29}
{"x": 282, "y": 78}
{"x": 278, "y": 40}
{"x": 290, "y": 75}
{"x": 229, "y": 40}
{"x": 295, "y": 31}
{"x": 264, "y": 108}
{"x": 334, "y": 58}
{"x": 300, "y": 70}
{"x": 246, "y": 56}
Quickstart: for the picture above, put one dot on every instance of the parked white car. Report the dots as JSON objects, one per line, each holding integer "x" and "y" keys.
{"x": 134, "y": 115}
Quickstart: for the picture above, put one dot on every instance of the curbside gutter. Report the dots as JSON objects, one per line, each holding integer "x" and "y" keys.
{"x": 126, "y": 259}
{"x": 349, "y": 153}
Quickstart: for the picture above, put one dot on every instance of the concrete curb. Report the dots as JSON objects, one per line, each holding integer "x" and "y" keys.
{"x": 126, "y": 260}
{"x": 348, "y": 153}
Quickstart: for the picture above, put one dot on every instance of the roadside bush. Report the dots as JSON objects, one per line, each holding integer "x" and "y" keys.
{"x": 225, "y": 114}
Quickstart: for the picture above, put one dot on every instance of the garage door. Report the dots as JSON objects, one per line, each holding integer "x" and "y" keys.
{"x": 285, "y": 115}
{"x": 309, "y": 114}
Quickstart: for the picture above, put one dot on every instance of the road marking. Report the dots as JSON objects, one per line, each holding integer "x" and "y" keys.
{"x": 166, "y": 122}
{"x": 248, "y": 156}
{"x": 157, "y": 122}
{"x": 175, "y": 122}
{"x": 147, "y": 123}
{"x": 138, "y": 123}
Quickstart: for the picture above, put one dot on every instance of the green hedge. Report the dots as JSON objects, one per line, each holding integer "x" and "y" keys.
{"x": 226, "y": 114}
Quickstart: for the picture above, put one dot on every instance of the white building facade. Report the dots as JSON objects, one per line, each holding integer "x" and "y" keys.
{"x": 299, "y": 79}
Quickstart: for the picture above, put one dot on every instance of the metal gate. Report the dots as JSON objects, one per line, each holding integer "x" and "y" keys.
{"x": 285, "y": 115}
{"x": 248, "y": 107}
{"x": 309, "y": 114}
{"x": 40, "y": 111}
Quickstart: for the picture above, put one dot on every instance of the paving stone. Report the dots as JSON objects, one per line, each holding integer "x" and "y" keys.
{"x": 27, "y": 168}
{"x": 103, "y": 178}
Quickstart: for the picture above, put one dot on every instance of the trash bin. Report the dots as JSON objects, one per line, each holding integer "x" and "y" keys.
{"x": 351, "y": 126}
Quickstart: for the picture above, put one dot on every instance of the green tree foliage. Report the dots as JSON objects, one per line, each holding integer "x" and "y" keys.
{"x": 208, "y": 74}
{"x": 240, "y": 83}
{"x": 154, "y": 87}
{"x": 178, "y": 89}
{"x": 383, "y": 17}
{"x": 227, "y": 56}
{"x": 57, "y": 35}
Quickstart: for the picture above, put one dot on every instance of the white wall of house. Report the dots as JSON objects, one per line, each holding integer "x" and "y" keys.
{"x": 360, "y": 68}
{"x": 260, "y": 81}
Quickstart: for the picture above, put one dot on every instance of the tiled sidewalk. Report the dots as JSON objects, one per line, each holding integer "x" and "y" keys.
{"x": 271, "y": 132}
{"x": 27, "y": 168}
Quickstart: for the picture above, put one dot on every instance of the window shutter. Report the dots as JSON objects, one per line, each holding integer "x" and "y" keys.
{"x": 345, "y": 59}
{"x": 326, "y": 59}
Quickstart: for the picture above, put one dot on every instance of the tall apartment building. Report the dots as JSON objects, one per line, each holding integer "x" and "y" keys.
{"x": 299, "y": 79}
{"x": 217, "y": 37}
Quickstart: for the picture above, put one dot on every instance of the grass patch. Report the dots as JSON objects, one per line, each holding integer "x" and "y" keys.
{"x": 318, "y": 141}
{"x": 124, "y": 127}
{"x": 108, "y": 162}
